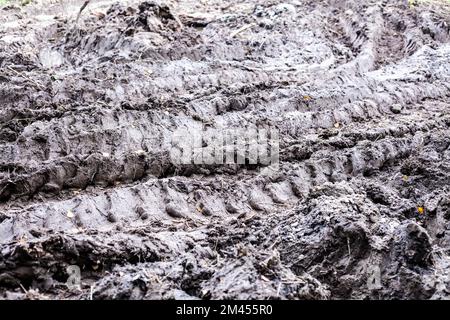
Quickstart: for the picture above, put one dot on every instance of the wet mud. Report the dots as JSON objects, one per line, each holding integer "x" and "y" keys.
{"x": 359, "y": 208}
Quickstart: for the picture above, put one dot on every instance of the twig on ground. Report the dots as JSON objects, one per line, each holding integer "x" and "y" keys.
{"x": 25, "y": 77}
{"x": 235, "y": 33}
{"x": 81, "y": 9}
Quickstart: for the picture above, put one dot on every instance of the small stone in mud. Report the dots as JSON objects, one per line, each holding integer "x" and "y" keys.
{"x": 231, "y": 207}
{"x": 396, "y": 108}
{"x": 70, "y": 214}
{"x": 141, "y": 213}
{"x": 111, "y": 217}
{"x": 266, "y": 23}
{"x": 204, "y": 210}
{"x": 140, "y": 153}
{"x": 418, "y": 245}
{"x": 174, "y": 211}
{"x": 256, "y": 202}
{"x": 51, "y": 187}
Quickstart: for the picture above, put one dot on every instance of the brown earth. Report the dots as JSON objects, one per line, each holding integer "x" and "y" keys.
{"x": 359, "y": 91}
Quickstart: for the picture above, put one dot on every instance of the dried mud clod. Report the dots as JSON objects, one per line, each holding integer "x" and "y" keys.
{"x": 358, "y": 208}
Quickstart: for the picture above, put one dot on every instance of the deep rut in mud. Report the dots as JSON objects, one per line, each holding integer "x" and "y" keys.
{"x": 359, "y": 91}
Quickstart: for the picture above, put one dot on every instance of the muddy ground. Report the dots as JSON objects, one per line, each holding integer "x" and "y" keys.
{"x": 359, "y": 91}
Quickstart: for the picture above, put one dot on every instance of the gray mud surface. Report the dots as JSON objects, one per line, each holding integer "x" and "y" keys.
{"x": 359, "y": 91}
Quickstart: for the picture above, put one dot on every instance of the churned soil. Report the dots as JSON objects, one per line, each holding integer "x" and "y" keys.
{"x": 358, "y": 209}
